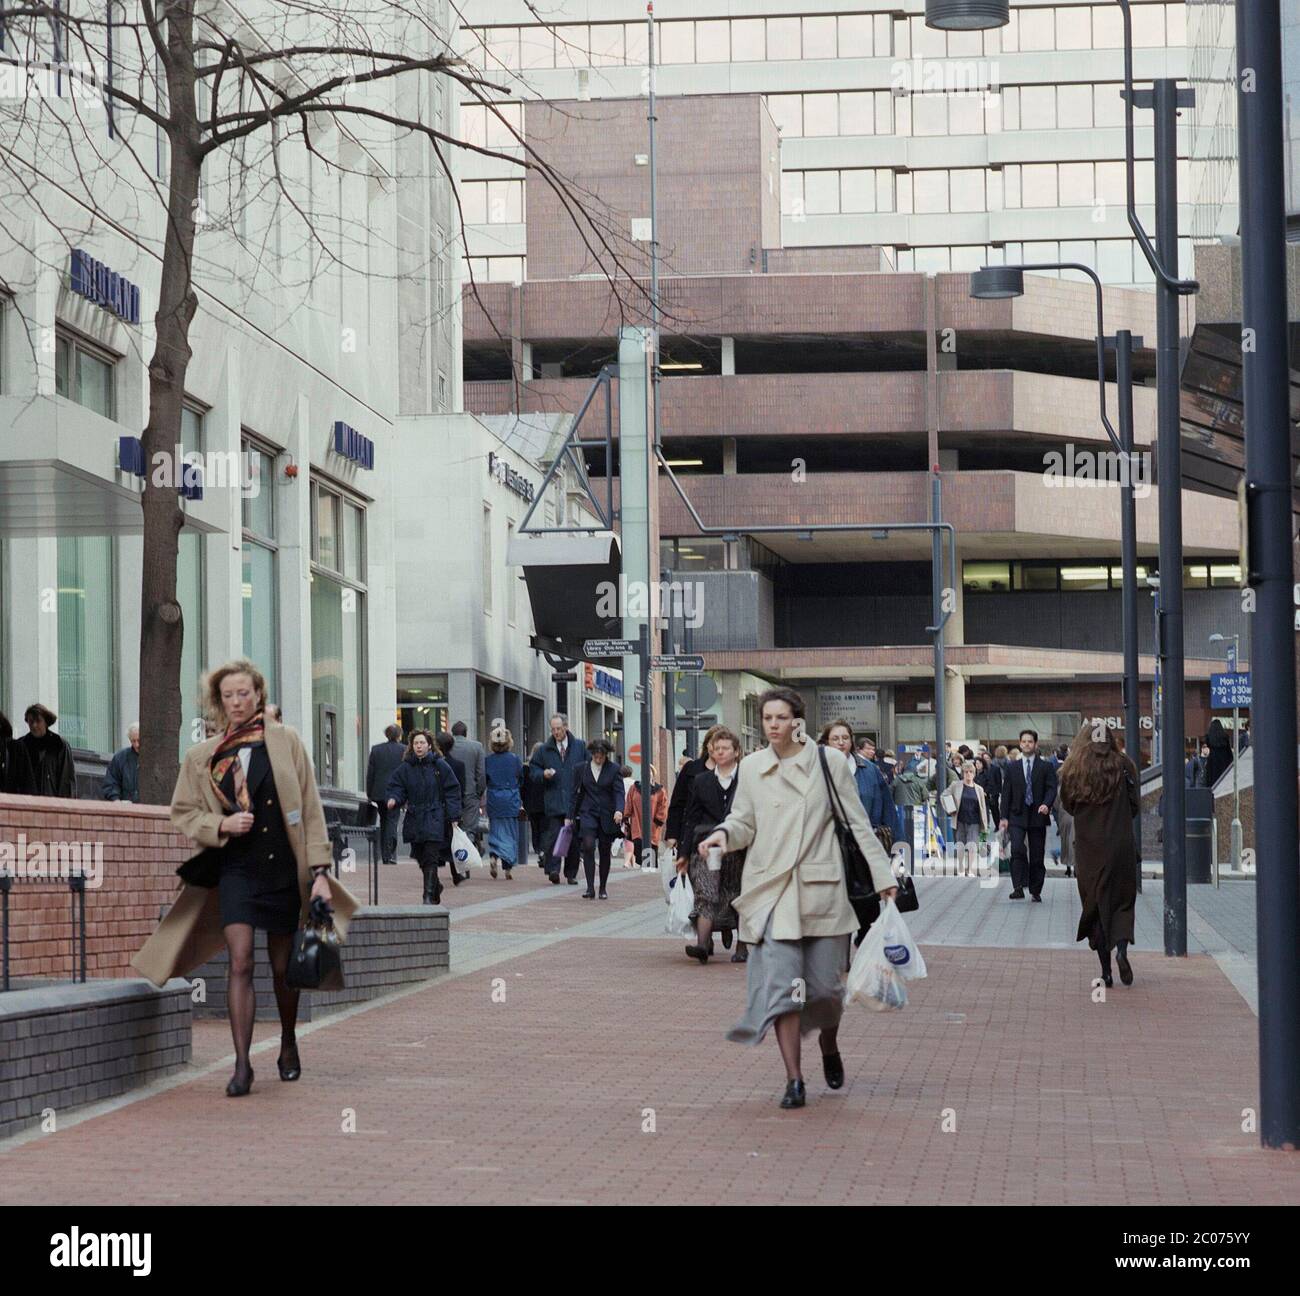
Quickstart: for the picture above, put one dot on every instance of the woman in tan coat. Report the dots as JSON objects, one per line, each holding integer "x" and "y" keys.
{"x": 250, "y": 793}
{"x": 794, "y": 906}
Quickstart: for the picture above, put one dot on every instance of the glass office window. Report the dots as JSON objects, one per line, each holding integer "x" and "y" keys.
{"x": 572, "y": 48}
{"x": 86, "y": 643}
{"x": 676, "y": 42}
{"x": 1108, "y": 26}
{"x": 930, "y": 191}
{"x": 820, "y": 115}
{"x": 1107, "y": 106}
{"x": 857, "y": 113}
{"x": 986, "y": 577}
{"x": 712, "y": 41}
{"x": 1074, "y": 106}
{"x": 536, "y": 47}
{"x": 748, "y": 42}
{"x": 1148, "y": 25}
{"x": 473, "y": 202}
{"x": 338, "y": 685}
{"x": 325, "y": 527}
{"x": 637, "y": 42}
{"x": 1037, "y": 29}
{"x": 929, "y": 115}
{"x": 1074, "y": 28}
{"x": 1223, "y": 575}
{"x": 855, "y": 36}
{"x": 792, "y": 193}
{"x": 819, "y": 38}
{"x": 1076, "y": 184}
{"x": 821, "y": 192}
{"x": 1078, "y": 578}
{"x": 783, "y": 39}
{"x": 258, "y": 494}
{"x": 857, "y": 191}
{"x": 1038, "y": 185}
{"x": 787, "y": 112}
{"x": 966, "y": 191}
{"x": 606, "y": 44}
{"x": 1038, "y": 107}
{"x": 83, "y": 376}
{"x": 502, "y": 48}
{"x": 353, "y": 544}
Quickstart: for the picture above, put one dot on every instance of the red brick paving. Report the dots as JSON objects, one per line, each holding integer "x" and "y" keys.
{"x": 542, "y": 1098}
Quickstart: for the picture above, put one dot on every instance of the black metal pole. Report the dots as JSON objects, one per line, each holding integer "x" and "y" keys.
{"x": 1268, "y": 512}
{"x": 936, "y": 601}
{"x": 1165, "y": 104}
{"x": 1132, "y": 734}
{"x": 647, "y": 746}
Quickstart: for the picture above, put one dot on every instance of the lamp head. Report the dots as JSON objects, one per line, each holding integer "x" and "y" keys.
{"x": 966, "y": 15}
{"x": 992, "y": 283}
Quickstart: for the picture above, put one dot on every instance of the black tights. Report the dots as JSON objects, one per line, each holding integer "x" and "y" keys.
{"x": 243, "y": 998}
{"x": 589, "y": 843}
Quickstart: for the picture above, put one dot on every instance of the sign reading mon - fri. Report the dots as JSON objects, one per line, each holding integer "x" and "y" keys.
{"x": 610, "y": 648}
{"x": 1230, "y": 690}
{"x": 677, "y": 662}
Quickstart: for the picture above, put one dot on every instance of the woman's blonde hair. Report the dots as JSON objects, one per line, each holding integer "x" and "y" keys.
{"x": 212, "y": 686}
{"x": 501, "y": 740}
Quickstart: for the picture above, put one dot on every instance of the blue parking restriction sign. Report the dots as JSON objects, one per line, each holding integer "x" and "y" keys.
{"x": 1231, "y": 689}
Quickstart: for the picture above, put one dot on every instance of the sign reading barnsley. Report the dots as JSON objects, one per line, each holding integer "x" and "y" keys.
{"x": 352, "y": 445}
{"x": 97, "y": 283}
{"x": 511, "y": 480}
{"x": 610, "y": 647}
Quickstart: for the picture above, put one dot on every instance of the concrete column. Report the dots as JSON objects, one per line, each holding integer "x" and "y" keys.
{"x": 462, "y": 703}
{"x": 728, "y": 356}
{"x": 728, "y": 456}
{"x": 293, "y": 570}
{"x": 954, "y": 692}
{"x": 526, "y": 360}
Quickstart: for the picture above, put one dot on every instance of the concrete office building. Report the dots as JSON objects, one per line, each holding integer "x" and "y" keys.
{"x": 306, "y": 354}
{"x": 807, "y": 385}
{"x": 947, "y": 151}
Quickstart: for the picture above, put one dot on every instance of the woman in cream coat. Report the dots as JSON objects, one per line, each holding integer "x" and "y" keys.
{"x": 249, "y": 794}
{"x": 794, "y": 906}
{"x": 964, "y": 799}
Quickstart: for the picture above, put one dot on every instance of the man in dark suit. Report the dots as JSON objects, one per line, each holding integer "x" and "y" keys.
{"x": 555, "y": 767}
{"x": 385, "y": 757}
{"x": 1028, "y": 792}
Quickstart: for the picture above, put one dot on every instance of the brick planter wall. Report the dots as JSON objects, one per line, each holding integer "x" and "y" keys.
{"x": 140, "y": 852}
{"x": 387, "y": 947}
{"x": 62, "y": 1046}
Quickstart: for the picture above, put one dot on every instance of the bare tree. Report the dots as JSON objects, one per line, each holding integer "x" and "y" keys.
{"x": 228, "y": 87}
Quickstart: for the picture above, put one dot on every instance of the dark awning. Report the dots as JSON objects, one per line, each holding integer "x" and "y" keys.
{"x": 572, "y": 583}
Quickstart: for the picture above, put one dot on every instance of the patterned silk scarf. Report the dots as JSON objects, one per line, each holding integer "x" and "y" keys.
{"x": 226, "y": 759}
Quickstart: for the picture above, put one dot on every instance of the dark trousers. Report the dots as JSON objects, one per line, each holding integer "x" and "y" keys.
{"x": 1027, "y": 845}
{"x": 553, "y": 825}
{"x": 388, "y": 833}
{"x": 537, "y": 829}
{"x": 590, "y": 841}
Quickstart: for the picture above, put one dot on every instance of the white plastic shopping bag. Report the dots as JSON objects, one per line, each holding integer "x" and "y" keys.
{"x": 887, "y": 958}
{"x": 681, "y": 900}
{"x": 463, "y": 850}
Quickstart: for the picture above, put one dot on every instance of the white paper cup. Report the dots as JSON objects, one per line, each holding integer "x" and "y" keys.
{"x": 715, "y": 859}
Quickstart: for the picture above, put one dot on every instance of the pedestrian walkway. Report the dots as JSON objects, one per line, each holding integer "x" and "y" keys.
{"x": 574, "y": 1055}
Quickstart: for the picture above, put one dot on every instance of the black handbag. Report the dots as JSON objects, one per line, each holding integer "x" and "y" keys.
{"x": 857, "y": 872}
{"x": 315, "y": 962}
{"x": 203, "y": 869}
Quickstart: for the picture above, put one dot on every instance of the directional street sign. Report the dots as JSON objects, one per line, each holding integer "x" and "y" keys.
{"x": 1228, "y": 691}
{"x": 677, "y": 662}
{"x": 609, "y": 647}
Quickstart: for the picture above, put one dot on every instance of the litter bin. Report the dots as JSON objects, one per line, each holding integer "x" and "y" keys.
{"x": 1199, "y": 810}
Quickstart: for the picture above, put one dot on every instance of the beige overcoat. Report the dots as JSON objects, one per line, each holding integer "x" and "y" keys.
{"x": 191, "y": 933}
{"x": 953, "y": 793}
{"x": 793, "y": 870}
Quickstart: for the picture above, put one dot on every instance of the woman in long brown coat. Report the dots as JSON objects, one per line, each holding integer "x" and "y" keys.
{"x": 1098, "y": 787}
{"x": 250, "y": 794}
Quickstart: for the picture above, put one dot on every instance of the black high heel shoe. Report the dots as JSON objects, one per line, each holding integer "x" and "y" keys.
{"x": 795, "y": 1094}
{"x": 287, "y": 1063}
{"x": 1125, "y": 968}
{"x": 833, "y": 1070}
{"x": 236, "y": 1088}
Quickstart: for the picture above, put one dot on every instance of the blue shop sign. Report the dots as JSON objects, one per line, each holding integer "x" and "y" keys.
{"x": 352, "y": 445}
{"x": 607, "y": 683}
{"x": 1231, "y": 689}
{"x": 97, "y": 283}
{"x": 130, "y": 459}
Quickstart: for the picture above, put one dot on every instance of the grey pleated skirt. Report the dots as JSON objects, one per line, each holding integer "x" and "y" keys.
{"x": 804, "y": 976}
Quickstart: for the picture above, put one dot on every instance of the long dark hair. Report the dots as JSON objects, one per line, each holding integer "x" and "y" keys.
{"x": 1094, "y": 771}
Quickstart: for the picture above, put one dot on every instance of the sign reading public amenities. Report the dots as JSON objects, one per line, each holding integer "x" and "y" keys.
{"x": 1229, "y": 690}
{"x": 677, "y": 662}
{"x": 94, "y": 281}
{"x": 609, "y": 647}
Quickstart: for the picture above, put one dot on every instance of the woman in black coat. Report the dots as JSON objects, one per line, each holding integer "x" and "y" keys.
{"x": 16, "y": 775}
{"x": 680, "y": 798}
{"x": 712, "y": 793}
{"x": 597, "y": 812}
{"x": 533, "y": 793}
{"x": 425, "y": 785}
{"x": 1098, "y": 787}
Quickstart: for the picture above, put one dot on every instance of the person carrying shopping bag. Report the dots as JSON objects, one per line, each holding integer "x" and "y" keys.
{"x": 794, "y": 908}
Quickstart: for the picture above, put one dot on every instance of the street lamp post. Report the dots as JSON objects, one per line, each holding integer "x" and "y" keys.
{"x": 995, "y": 282}
{"x": 1236, "y": 752}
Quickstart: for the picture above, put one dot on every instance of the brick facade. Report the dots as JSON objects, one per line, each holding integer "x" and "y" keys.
{"x": 140, "y": 852}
